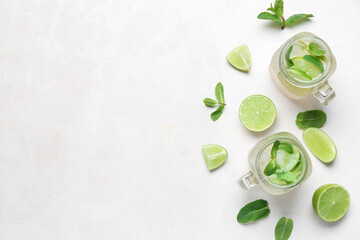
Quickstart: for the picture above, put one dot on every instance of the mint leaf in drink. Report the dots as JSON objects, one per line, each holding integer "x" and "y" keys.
{"x": 219, "y": 92}
{"x": 315, "y": 49}
{"x": 277, "y": 13}
{"x": 270, "y": 16}
{"x": 283, "y": 228}
{"x": 270, "y": 168}
{"x": 289, "y": 62}
{"x": 287, "y": 147}
{"x": 316, "y": 61}
{"x": 274, "y": 149}
{"x": 253, "y": 211}
{"x": 313, "y": 118}
{"x": 296, "y": 18}
{"x": 217, "y": 113}
{"x": 209, "y": 102}
{"x": 286, "y": 176}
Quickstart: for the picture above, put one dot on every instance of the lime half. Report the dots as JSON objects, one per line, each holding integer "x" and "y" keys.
{"x": 214, "y": 155}
{"x": 320, "y": 144}
{"x": 240, "y": 58}
{"x": 257, "y": 113}
{"x": 331, "y": 202}
{"x": 309, "y": 68}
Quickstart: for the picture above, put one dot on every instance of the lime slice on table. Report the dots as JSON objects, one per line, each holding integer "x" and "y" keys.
{"x": 240, "y": 58}
{"x": 214, "y": 155}
{"x": 331, "y": 202}
{"x": 320, "y": 144}
{"x": 309, "y": 68}
{"x": 257, "y": 113}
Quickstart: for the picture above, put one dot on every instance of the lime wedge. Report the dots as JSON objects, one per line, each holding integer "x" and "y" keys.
{"x": 320, "y": 144}
{"x": 309, "y": 68}
{"x": 298, "y": 74}
{"x": 214, "y": 155}
{"x": 257, "y": 113}
{"x": 240, "y": 58}
{"x": 331, "y": 202}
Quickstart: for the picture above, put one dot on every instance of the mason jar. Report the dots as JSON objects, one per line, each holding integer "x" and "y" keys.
{"x": 259, "y": 157}
{"x": 295, "y": 88}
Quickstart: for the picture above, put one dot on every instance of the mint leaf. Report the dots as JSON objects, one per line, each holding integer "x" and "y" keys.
{"x": 314, "y": 60}
{"x": 274, "y": 149}
{"x": 270, "y": 168}
{"x": 297, "y": 18}
{"x": 283, "y": 228}
{"x": 313, "y": 118}
{"x": 287, "y": 147}
{"x": 289, "y": 62}
{"x": 219, "y": 92}
{"x": 315, "y": 50}
{"x": 286, "y": 176}
{"x": 209, "y": 102}
{"x": 217, "y": 113}
{"x": 279, "y": 8}
{"x": 269, "y": 16}
{"x": 253, "y": 211}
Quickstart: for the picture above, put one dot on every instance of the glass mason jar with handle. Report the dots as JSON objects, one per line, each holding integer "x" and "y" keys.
{"x": 292, "y": 164}
{"x": 304, "y": 78}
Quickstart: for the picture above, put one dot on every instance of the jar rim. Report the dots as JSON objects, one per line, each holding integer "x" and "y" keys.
{"x": 328, "y": 55}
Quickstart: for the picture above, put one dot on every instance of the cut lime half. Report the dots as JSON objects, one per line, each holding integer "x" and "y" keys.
{"x": 240, "y": 58}
{"x": 320, "y": 144}
{"x": 214, "y": 155}
{"x": 309, "y": 68}
{"x": 331, "y": 202}
{"x": 257, "y": 113}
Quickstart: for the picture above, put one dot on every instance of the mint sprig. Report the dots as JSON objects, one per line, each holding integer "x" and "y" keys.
{"x": 219, "y": 94}
{"x": 276, "y": 14}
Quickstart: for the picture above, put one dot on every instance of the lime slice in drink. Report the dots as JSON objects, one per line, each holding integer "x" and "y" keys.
{"x": 320, "y": 144}
{"x": 214, "y": 155}
{"x": 257, "y": 113}
{"x": 240, "y": 58}
{"x": 331, "y": 202}
{"x": 298, "y": 74}
{"x": 309, "y": 68}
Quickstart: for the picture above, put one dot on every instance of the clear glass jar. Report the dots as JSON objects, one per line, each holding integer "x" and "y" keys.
{"x": 259, "y": 157}
{"x": 295, "y": 88}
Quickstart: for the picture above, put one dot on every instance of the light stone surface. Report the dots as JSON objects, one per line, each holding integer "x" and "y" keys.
{"x": 102, "y": 120}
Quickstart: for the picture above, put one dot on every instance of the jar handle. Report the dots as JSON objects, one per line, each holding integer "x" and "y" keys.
{"x": 248, "y": 181}
{"x": 324, "y": 94}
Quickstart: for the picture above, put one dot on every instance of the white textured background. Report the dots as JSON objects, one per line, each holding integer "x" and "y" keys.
{"x": 102, "y": 120}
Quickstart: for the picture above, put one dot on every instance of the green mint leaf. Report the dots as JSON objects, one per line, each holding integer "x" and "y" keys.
{"x": 283, "y": 228}
{"x": 279, "y": 8}
{"x": 217, "y": 113}
{"x": 297, "y": 18}
{"x": 274, "y": 149}
{"x": 209, "y": 102}
{"x": 271, "y": 8}
{"x": 219, "y": 93}
{"x": 315, "y": 49}
{"x": 286, "y": 176}
{"x": 270, "y": 168}
{"x": 269, "y": 16}
{"x": 313, "y": 118}
{"x": 287, "y": 147}
{"x": 314, "y": 60}
{"x": 253, "y": 211}
{"x": 289, "y": 62}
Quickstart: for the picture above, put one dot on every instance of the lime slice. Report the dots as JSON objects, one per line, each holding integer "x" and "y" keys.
{"x": 331, "y": 202}
{"x": 257, "y": 113}
{"x": 287, "y": 161}
{"x": 309, "y": 68}
{"x": 298, "y": 74}
{"x": 214, "y": 155}
{"x": 320, "y": 144}
{"x": 240, "y": 58}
